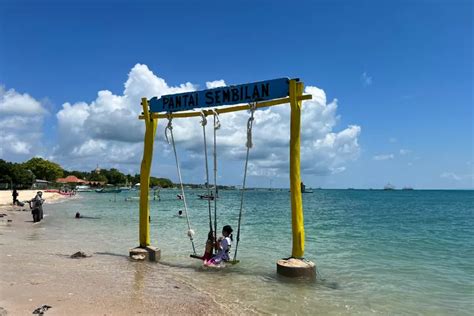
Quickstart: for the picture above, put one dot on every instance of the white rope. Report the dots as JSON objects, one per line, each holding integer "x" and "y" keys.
{"x": 253, "y": 107}
{"x": 217, "y": 121}
{"x": 217, "y": 125}
{"x": 204, "y": 119}
{"x": 169, "y": 128}
{"x": 204, "y": 123}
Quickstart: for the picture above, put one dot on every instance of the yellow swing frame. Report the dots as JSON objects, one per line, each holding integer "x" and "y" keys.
{"x": 295, "y": 99}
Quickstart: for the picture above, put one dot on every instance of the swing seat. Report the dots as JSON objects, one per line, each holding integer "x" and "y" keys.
{"x": 222, "y": 264}
{"x": 232, "y": 262}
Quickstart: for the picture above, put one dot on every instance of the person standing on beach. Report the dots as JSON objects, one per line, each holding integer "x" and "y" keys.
{"x": 37, "y": 207}
{"x": 15, "y": 196}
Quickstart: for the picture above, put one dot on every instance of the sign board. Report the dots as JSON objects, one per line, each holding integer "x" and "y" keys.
{"x": 229, "y": 95}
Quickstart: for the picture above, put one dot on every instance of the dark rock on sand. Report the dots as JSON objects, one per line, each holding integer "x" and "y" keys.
{"x": 41, "y": 310}
{"x": 79, "y": 254}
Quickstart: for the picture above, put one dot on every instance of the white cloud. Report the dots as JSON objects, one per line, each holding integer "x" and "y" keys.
{"x": 384, "y": 157}
{"x": 21, "y": 123}
{"x": 451, "y": 176}
{"x": 404, "y": 151}
{"x": 14, "y": 103}
{"x": 457, "y": 177}
{"x": 107, "y": 131}
{"x": 366, "y": 79}
{"x": 215, "y": 84}
{"x": 323, "y": 151}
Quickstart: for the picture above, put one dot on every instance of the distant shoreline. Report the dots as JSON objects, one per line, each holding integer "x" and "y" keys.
{"x": 6, "y": 199}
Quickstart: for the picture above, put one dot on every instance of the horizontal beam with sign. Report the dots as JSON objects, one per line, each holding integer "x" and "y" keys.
{"x": 229, "y": 95}
{"x": 228, "y": 109}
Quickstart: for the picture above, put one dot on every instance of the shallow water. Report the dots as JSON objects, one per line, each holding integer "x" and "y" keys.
{"x": 380, "y": 252}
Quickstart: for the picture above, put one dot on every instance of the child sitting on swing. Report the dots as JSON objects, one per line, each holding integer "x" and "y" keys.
{"x": 223, "y": 250}
{"x": 209, "y": 247}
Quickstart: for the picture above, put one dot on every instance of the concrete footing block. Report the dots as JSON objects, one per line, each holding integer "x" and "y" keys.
{"x": 149, "y": 253}
{"x": 294, "y": 268}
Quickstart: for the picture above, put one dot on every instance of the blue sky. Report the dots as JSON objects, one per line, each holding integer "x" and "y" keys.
{"x": 401, "y": 72}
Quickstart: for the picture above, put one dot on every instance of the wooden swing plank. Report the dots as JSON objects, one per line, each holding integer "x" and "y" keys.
{"x": 201, "y": 258}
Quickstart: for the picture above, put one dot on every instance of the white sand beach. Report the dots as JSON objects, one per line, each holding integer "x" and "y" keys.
{"x": 38, "y": 270}
{"x": 23, "y": 195}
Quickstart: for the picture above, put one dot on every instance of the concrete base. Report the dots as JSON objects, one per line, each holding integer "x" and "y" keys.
{"x": 148, "y": 253}
{"x": 293, "y": 268}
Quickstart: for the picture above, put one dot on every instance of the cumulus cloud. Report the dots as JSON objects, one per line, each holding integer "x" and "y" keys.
{"x": 323, "y": 150}
{"x": 14, "y": 103}
{"x": 21, "y": 123}
{"x": 404, "y": 152}
{"x": 107, "y": 131}
{"x": 384, "y": 157}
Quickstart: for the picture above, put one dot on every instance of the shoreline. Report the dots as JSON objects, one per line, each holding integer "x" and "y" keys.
{"x": 35, "y": 272}
{"x": 6, "y": 199}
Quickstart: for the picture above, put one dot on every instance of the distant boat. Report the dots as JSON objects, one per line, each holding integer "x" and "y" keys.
{"x": 303, "y": 189}
{"x": 206, "y": 197}
{"x": 389, "y": 187}
{"x": 104, "y": 190}
{"x": 68, "y": 193}
{"x": 83, "y": 188}
{"x": 154, "y": 197}
{"x": 127, "y": 186}
{"x": 407, "y": 188}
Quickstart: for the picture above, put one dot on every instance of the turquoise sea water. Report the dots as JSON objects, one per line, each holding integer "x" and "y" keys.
{"x": 377, "y": 252}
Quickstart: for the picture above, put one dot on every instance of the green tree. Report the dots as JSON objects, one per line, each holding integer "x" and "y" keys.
{"x": 136, "y": 178}
{"x": 44, "y": 169}
{"x": 15, "y": 174}
{"x": 21, "y": 177}
{"x": 97, "y": 177}
{"x": 165, "y": 183}
{"x": 115, "y": 177}
{"x": 162, "y": 182}
{"x": 6, "y": 172}
{"x": 5, "y": 169}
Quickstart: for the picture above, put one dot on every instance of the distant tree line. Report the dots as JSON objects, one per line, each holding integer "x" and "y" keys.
{"x": 23, "y": 175}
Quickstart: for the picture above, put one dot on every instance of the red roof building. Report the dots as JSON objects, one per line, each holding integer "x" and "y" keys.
{"x": 71, "y": 179}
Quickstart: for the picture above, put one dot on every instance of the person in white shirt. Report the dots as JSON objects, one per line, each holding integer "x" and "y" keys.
{"x": 224, "y": 244}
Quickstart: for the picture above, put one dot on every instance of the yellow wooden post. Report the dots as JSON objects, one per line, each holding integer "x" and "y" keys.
{"x": 150, "y": 131}
{"x": 297, "y": 220}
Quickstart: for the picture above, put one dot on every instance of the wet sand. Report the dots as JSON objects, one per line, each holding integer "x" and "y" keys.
{"x": 34, "y": 272}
